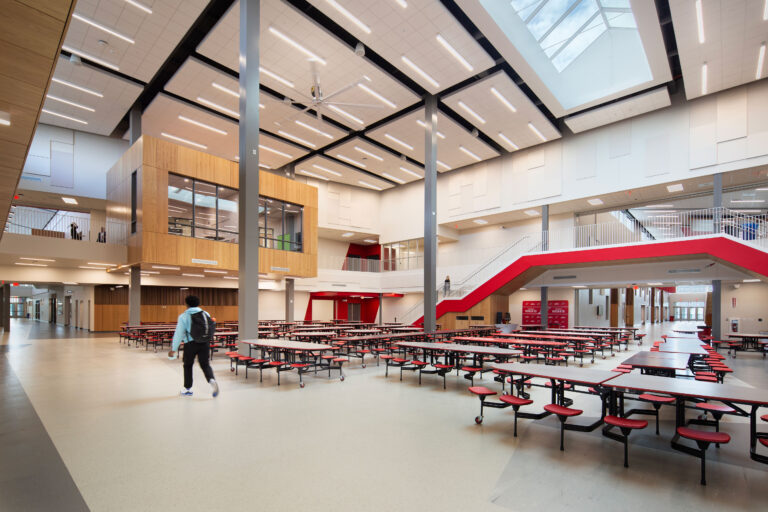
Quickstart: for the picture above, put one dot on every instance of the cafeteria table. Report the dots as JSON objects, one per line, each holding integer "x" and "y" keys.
{"x": 693, "y": 347}
{"x": 664, "y": 364}
{"x": 750, "y": 341}
{"x": 455, "y": 349}
{"x": 284, "y": 355}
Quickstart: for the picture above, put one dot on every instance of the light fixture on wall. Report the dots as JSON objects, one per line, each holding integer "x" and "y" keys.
{"x": 5, "y": 118}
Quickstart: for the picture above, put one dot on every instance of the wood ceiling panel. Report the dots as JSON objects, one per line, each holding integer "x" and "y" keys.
{"x": 24, "y": 65}
{"x": 55, "y": 8}
{"x": 29, "y": 28}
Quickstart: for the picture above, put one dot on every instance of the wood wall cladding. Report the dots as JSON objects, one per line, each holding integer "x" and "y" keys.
{"x": 110, "y": 295}
{"x": 154, "y": 159}
{"x": 109, "y": 317}
{"x": 486, "y": 308}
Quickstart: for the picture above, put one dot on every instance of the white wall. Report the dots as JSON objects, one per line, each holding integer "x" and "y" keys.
{"x": 395, "y": 307}
{"x": 587, "y": 313}
{"x": 94, "y": 155}
{"x": 750, "y": 309}
{"x": 322, "y": 310}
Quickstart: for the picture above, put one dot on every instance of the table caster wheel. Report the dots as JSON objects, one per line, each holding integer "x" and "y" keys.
{"x": 301, "y": 385}
{"x": 478, "y": 419}
{"x": 232, "y": 370}
{"x": 505, "y": 392}
{"x": 364, "y": 366}
{"x": 341, "y": 378}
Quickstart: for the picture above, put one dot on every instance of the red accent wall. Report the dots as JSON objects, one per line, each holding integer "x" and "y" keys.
{"x": 369, "y": 304}
{"x": 364, "y": 251}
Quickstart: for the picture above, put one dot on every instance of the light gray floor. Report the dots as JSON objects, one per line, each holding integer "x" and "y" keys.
{"x": 368, "y": 443}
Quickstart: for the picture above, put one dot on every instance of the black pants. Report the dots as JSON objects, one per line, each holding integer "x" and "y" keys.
{"x": 202, "y": 351}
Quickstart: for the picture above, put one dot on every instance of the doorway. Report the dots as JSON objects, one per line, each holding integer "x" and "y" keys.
{"x": 353, "y": 311}
{"x": 642, "y": 313}
{"x": 67, "y": 311}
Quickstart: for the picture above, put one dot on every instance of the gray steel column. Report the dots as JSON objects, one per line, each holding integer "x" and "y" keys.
{"x": 248, "y": 292}
{"x": 544, "y": 308}
{"x": 717, "y": 201}
{"x": 381, "y": 309}
{"x": 430, "y": 214}
{"x": 290, "y": 286}
{"x": 134, "y": 123}
{"x": 5, "y": 303}
{"x": 545, "y": 227}
{"x": 134, "y": 297}
{"x": 717, "y": 297}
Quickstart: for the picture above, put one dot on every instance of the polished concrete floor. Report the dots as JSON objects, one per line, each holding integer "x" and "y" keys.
{"x": 89, "y": 423}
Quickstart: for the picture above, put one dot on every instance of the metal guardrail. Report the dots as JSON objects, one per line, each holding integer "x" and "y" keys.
{"x": 32, "y": 221}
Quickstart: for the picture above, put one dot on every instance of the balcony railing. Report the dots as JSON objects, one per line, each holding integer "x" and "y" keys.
{"x": 25, "y": 220}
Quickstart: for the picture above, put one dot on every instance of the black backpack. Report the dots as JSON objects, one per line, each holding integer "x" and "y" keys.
{"x": 202, "y": 327}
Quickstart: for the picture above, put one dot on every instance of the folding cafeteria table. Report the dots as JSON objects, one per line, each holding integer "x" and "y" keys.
{"x": 751, "y": 341}
{"x": 664, "y": 364}
{"x": 288, "y": 355}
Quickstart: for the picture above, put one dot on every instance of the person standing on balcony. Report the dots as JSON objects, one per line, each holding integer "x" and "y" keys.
{"x": 447, "y": 286}
{"x": 73, "y": 231}
{"x": 102, "y": 236}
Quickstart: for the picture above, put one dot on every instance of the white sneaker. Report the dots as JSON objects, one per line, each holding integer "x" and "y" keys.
{"x": 186, "y": 392}
{"x": 214, "y": 388}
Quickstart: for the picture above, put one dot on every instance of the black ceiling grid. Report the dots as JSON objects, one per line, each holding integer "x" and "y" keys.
{"x": 670, "y": 43}
{"x": 211, "y": 15}
{"x": 105, "y": 69}
{"x": 448, "y": 111}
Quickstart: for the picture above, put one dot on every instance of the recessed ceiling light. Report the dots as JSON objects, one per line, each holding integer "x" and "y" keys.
{"x": 578, "y": 286}
{"x": 345, "y": 114}
{"x": 471, "y": 112}
{"x": 420, "y": 71}
{"x": 313, "y": 175}
{"x": 747, "y": 200}
{"x": 225, "y": 89}
{"x": 408, "y": 171}
{"x": 468, "y": 152}
{"x": 165, "y": 267}
{"x": 150, "y": 272}
{"x": 36, "y": 259}
{"x": 398, "y": 141}
{"x": 366, "y": 184}
{"x": 230, "y": 277}
{"x": 68, "y": 282}
{"x": 297, "y": 139}
{"x": 193, "y": 275}
{"x": 296, "y": 45}
{"x": 393, "y": 178}
{"x": 480, "y": 221}
{"x": 275, "y": 151}
{"x": 531, "y": 213}
{"x": 750, "y": 281}
{"x": 325, "y": 169}
{"x": 376, "y": 95}
{"x": 347, "y": 235}
{"x": 349, "y": 160}
{"x": 595, "y": 201}
{"x": 704, "y": 79}
{"x": 537, "y": 132}
{"x": 90, "y": 268}
{"x": 659, "y": 206}
{"x": 509, "y": 142}
{"x": 30, "y": 264}
{"x": 79, "y": 88}
{"x": 765, "y": 10}
{"x": 202, "y": 125}
{"x": 313, "y": 129}
{"x": 101, "y": 27}
{"x": 212, "y": 271}
{"x": 762, "y": 189}
{"x": 103, "y": 264}
{"x": 370, "y": 241}
{"x": 277, "y": 77}
{"x": 351, "y": 17}
{"x": 503, "y": 100}
{"x": 90, "y": 57}
{"x": 655, "y": 284}
{"x": 402, "y": 3}
{"x": 368, "y": 153}
{"x": 216, "y": 106}
{"x": 424, "y": 125}
{"x": 760, "y": 60}
{"x": 677, "y": 187}
{"x": 185, "y": 141}
{"x": 261, "y": 165}
{"x": 63, "y": 116}
{"x": 69, "y": 200}
{"x": 700, "y": 21}
{"x": 62, "y": 100}
{"x": 140, "y": 6}
{"x": 444, "y": 166}
{"x": 445, "y": 44}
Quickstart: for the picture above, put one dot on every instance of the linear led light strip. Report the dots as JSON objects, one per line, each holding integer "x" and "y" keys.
{"x": 345, "y": 114}
{"x": 185, "y": 141}
{"x": 402, "y": 3}
{"x": 700, "y": 21}
{"x": 347, "y": 159}
{"x": 62, "y": 100}
{"x": 366, "y": 184}
{"x": 297, "y": 139}
{"x": 444, "y": 166}
{"x": 456, "y": 55}
{"x": 502, "y": 99}
{"x": 760, "y": 59}
{"x": 424, "y": 125}
{"x": 102, "y": 27}
{"x": 468, "y": 152}
{"x": 471, "y": 112}
{"x": 408, "y": 171}
{"x": 368, "y": 153}
{"x": 313, "y": 129}
{"x": 79, "y": 88}
{"x": 420, "y": 71}
{"x": 140, "y": 6}
{"x": 313, "y": 175}
{"x": 704, "y": 79}
{"x": 225, "y": 89}
{"x": 202, "y": 125}
{"x": 377, "y": 95}
{"x": 505, "y": 139}
{"x": 296, "y": 45}
{"x": 362, "y": 26}
{"x": 36, "y": 259}
{"x": 393, "y": 178}
{"x": 395, "y": 139}
{"x": 90, "y": 57}
{"x": 63, "y": 116}
{"x": 218, "y": 107}
{"x": 537, "y": 132}
{"x": 325, "y": 169}
{"x": 276, "y": 77}
{"x": 275, "y": 151}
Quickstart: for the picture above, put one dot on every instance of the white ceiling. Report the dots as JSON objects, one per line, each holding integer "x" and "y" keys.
{"x": 497, "y": 116}
{"x": 406, "y": 129}
{"x": 631, "y": 107}
{"x": 349, "y": 175}
{"x": 412, "y": 31}
{"x": 733, "y": 32}
{"x": 342, "y": 68}
{"x": 356, "y": 148}
{"x": 118, "y": 96}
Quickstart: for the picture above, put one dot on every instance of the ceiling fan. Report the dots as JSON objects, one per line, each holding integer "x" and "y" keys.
{"x": 317, "y": 100}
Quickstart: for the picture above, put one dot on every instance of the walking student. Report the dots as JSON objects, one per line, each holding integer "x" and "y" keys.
{"x": 195, "y": 329}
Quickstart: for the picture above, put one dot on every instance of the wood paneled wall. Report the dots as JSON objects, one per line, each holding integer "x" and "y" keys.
{"x": 487, "y": 308}
{"x": 155, "y": 158}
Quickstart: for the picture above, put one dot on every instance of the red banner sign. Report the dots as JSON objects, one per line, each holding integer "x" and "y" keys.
{"x": 557, "y": 313}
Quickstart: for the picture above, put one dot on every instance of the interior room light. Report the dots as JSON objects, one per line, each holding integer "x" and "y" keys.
{"x": 420, "y": 71}
{"x": 226, "y": 90}
{"x": 424, "y": 125}
{"x": 79, "y": 88}
{"x": 51, "y": 112}
{"x": 537, "y": 132}
{"x": 212, "y": 271}
{"x": 456, "y": 55}
{"x": 509, "y": 142}
{"x": 351, "y": 17}
{"x": 193, "y": 275}
{"x": 89, "y": 57}
{"x": 165, "y": 267}
{"x": 408, "y": 171}
{"x": 398, "y": 141}
{"x": 313, "y": 129}
{"x": 443, "y": 165}
{"x": 700, "y": 21}
{"x": 704, "y": 79}
{"x": 30, "y": 264}
{"x": 468, "y": 152}
{"x": 36, "y": 259}
{"x": 677, "y": 187}
{"x": 139, "y": 5}
{"x": 503, "y": 100}
{"x": 349, "y": 160}
{"x": 275, "y": 151}
{"x": 655, "y": 284}
{"x": 471, "y": 112}
{"x": 313, "y": 175}
{"x": 480, "y": 221}
{"x": 101, "y": 27}
{"x": 67, "y": 102}
{"x": 325, "y": 169}
{"x": 276, "y": 77}
{"x": 595, "y": 201}
{"x": 184, "y": 141}
{"x": 765, "y": 10}
{"x": 377, "y": 95}
{"x": 760, "y": 61}
{"x": 747, "y": 200}
{"x": 348, "y": 235}
{"x": 531, "y": 213}
{"x": 345, "y": 114}
{"x": 368, "y": 153}
{"x": 5, "y": 119}
{"x": 750, "y": 281}
{"x": 69, "y": 200}
{"x": 296, "y": 45}
{"x": 230, "y": 277}
{"x": 297, "y": 139}
{"x": 578, "y": 286}
{"x": 404, "y": 4}
{"x": 366, "y": 184}
{"x": 393, "y": 178}
{"x": 202, "y": 125}
{"x": 370, "y": 241}
{"x": 216, "y": 106}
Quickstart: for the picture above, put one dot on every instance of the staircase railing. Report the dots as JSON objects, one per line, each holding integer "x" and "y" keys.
{"x": 650, "y": 226}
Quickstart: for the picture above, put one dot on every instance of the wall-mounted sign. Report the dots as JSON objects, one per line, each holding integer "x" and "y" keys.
{"x": 557, "y": 313}
{"x": 204, "y": 262}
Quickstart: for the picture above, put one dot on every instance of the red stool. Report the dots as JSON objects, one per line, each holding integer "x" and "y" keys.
{"x": 626, "y": 425}
{"x": 481, "y": 392}
{"x": 516, "y": 402}
{"x": 703, "y": 439}
{"x": 717, "y": 411}
{"x": 563, "y": 413}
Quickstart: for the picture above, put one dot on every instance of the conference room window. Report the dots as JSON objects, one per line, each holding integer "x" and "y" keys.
{"x": 205, "y": 210}
{"x": 228, "y": 209}
{"x": 180, "y": 193}
{"x": 280, "y": 225}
